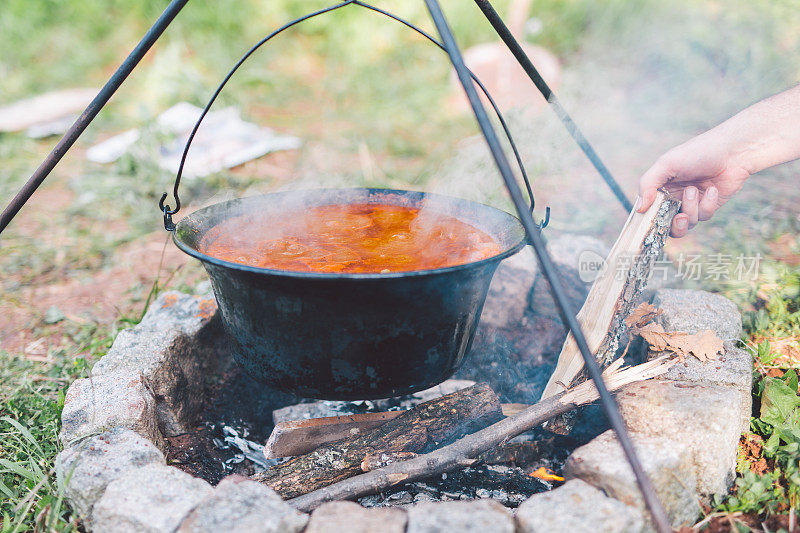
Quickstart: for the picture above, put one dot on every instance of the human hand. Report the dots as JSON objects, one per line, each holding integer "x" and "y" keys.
{"x": 703, "y": 173}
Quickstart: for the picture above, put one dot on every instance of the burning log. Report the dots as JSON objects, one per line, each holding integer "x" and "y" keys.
{"x": 426, "y": 426}
{"x": 614, "y": 294}
{"x": 298, "y": 437}
{"x": 467, "y": 450}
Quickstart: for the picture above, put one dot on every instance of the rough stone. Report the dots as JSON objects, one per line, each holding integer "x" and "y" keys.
{"x": 150, "y": 499}
{"x": 176, "y": 343}
{"x": 705, "y": 418}
{"x": 692, "y": 311}
{"x": 350, "y": 517}
{"x": 668, "y": 464}
{"x": 519, "y": 297}
{"x": 510, "y": 292}
{"x": 322, "y": 408}
{"x": 86, "y": 469}
{"x": 241, "y": 505}
{"x": 576, "y": 506}
{"x": 481, "y": 516}
{"x": 97, "y": 404}
{"x": 508, "y": 295}
{"x": 734, "y": 368}
{"x": 572, "y": 250}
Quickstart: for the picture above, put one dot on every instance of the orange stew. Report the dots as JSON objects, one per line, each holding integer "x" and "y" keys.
{"x": 363, "y": 238}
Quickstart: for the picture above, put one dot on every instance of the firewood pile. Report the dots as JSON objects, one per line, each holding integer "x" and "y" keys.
{"x": 462, "y": 429}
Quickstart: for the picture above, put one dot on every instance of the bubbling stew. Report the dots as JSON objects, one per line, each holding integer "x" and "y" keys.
{"x": 350, "y": 238}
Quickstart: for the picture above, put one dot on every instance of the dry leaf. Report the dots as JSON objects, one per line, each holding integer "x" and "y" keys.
{"x": 643, "y": 314}
{"x": 704, "y": 345}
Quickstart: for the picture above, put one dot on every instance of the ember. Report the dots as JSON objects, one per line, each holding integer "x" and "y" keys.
{"x": 545, "y": 474}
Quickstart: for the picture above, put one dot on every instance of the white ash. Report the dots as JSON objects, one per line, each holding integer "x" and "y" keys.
{"x": 509, "y": 486}
{"x": 248, "y": 449}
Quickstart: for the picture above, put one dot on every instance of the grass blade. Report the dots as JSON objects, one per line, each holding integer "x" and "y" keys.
{"x": 25, "y": 432}
{"x": 16, "y": 468}
{"x": 5, "y": 490}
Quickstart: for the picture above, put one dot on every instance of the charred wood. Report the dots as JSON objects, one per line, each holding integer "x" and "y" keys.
{"x": 425, "y": 427}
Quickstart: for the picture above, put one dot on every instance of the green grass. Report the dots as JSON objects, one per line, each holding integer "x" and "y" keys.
{"x": 768, "y": 476}
{"x": 31, "y": 398}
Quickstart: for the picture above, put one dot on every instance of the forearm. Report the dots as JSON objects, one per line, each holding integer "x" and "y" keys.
{"x": 765, "y": 134}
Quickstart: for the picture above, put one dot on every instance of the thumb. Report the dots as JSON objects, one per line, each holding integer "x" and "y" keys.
{"x": 649, "y": 183}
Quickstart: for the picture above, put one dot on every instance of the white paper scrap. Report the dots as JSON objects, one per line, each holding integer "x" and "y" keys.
{"x": 223, "y": 141}
{"x": 48, "y": 107}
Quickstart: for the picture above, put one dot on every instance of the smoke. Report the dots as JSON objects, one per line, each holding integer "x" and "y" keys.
{"x": 642, "y": 77}
{"x": 645, "y": 78}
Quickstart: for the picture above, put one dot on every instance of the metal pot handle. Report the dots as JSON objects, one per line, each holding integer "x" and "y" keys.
{"x": 168, "y": 211}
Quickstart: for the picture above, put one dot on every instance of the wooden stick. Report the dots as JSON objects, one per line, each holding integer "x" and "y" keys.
{"x": 615, "y": 292}
{"x": 428, "y": 425}
{"x": 465, "y": 451}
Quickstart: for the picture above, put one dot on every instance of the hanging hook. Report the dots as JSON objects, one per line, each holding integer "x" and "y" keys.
{"x": 169, "y": 225}
{"x": 543, "y": 224}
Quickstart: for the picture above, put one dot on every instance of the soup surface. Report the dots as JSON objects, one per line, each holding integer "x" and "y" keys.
{"x": 353, "y": 238}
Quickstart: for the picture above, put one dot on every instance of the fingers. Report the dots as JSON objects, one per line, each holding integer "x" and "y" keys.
{"x": 694, "y": 209}
{"x": 708, "y": 204}
{"x": 655, "y": 177}
{"x": 689, "y": 205}
{"x": 680, "y": 225}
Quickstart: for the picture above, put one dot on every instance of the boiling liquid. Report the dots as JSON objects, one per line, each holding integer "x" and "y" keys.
{"x": 352, "y": 238}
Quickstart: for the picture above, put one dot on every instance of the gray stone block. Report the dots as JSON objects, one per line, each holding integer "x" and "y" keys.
{"x": 241, "y": 505}
{"x": 668, "y": 464}
{"x": 734, "y": 368}
{"x": 508, "y": 295}
{"x": 350, "y": 517}
{"x": 85, "y": 469}
{"x": 576, "y": 506}
{"x": 705, "y": 418}
{"x": 572, "y": 249}
{"x": 172, "y": 348}
{"x": 472, "y": 516}
{"x": 150, "y": 499}
{"x": 101, "y": 403}
{"x": 692, "y": 311}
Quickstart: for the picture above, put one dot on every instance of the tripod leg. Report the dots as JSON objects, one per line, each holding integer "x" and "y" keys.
{"x": 525, "y": 62}
{"x": 90, "y": 112}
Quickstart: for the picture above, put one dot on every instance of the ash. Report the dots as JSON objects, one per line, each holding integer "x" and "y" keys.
{"x": 243, "y": 449}
{"x": 510, "y": 486}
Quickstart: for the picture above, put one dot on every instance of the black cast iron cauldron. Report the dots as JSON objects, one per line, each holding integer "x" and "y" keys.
{"x": 350, "y": 336}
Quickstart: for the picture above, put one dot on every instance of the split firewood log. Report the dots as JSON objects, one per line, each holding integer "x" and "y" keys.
{"x": 425, "y": 427}
{"x": 297, "y": 437}
{"x": 613, "y": 296}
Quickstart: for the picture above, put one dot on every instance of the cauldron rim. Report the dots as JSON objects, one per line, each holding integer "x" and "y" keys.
{"x": 514, "y": 226}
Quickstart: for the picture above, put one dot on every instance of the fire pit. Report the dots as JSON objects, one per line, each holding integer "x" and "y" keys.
{"x": 168, "y": 393}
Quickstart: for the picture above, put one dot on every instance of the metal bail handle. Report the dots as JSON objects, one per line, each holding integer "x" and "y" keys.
{"x": 168, "y": 211}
